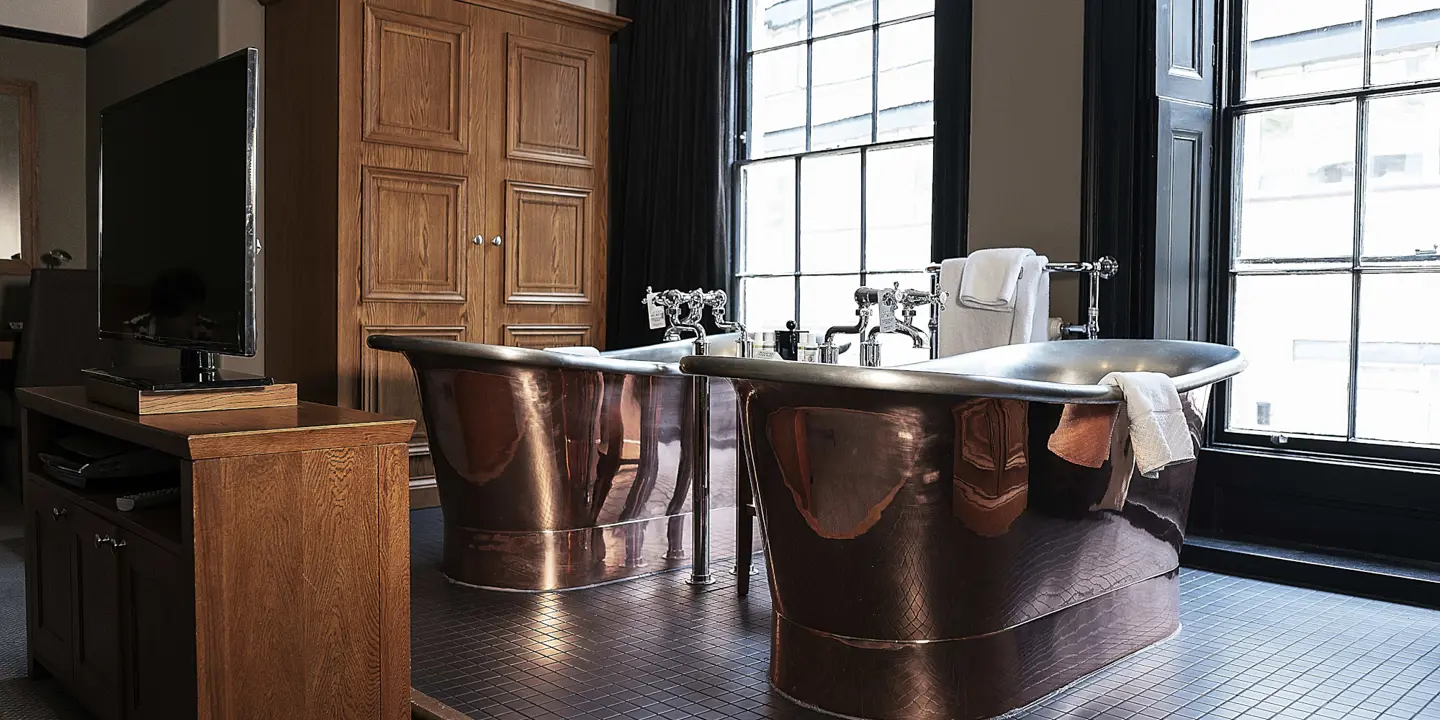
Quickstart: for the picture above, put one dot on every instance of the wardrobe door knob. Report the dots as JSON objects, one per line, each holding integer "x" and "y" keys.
{"x": 477, "y": 240}
{"x": 496, "y": 241}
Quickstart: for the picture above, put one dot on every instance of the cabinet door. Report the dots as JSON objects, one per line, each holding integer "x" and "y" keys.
{"x": 412, "y": 162}
{"x": 547, "y": 93}
{"x": 157, "y": 641}
{"x": 96, "y": 632}
{"x": 50, "y": 546}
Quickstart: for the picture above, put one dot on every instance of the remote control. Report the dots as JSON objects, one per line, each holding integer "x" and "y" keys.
{"x": 140, "y": 501}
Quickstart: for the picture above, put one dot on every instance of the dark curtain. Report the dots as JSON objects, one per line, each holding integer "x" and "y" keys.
{"x": 670, "y": 157}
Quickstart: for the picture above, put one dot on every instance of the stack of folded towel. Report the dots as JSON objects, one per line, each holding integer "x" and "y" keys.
{"x": 997, "y": 297}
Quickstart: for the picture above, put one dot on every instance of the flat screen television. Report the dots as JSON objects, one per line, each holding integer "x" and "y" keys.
{"x": 177, "y": 219}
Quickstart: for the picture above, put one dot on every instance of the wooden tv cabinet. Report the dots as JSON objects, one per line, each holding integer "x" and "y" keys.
{"x": 279, "y": 586}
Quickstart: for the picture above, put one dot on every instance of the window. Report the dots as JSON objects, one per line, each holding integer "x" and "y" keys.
{"x": 834, "y": 175}
{"x": 1334, "y": 203}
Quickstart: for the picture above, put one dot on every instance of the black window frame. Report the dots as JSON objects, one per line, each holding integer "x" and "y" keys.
{"x": 945, "y": 241}
{"x": 1227, "y": 182}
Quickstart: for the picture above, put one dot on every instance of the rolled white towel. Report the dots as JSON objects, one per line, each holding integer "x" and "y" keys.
{"x": 1159, "y": 435}
{"x": 991, "y": 277}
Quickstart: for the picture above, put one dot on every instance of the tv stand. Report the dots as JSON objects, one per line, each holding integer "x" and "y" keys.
{"x": 202, "y": 365}
{"x": 278, "y": 587}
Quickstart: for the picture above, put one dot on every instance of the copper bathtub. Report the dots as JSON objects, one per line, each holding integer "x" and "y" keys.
{"x": 929, "y": 556}
{"x": 560, "y": 471}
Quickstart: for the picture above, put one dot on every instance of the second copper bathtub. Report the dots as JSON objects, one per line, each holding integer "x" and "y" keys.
{"x": 930, "y": 557}
{"x": 559, "y": 471}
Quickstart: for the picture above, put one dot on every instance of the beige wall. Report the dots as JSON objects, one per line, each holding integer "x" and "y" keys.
{"x": 1027, "y": 98}
{"x": 59, "y": 75}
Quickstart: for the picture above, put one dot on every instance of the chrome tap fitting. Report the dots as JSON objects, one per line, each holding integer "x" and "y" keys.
{"x": 865, "y": 299}
{"x": 898, "y": 309}
{"x": 718, "y": 301}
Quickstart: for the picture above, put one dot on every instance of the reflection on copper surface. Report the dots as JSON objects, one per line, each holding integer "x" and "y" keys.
{"x": 930, "y": 557}
{"x": 843, "y": 466}
{"x": 556, "y": 478}
{"x": 992, "y": 468}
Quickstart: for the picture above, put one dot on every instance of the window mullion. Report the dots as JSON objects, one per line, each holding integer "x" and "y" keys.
{"x": 864, "y": 208}
{"x": 1368, "y": 33}
{"x": 799, "y": 222}
{"x": 1362, "y": 115}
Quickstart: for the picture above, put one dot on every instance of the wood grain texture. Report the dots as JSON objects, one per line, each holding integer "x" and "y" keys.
{"x": 541, "y": 337}
{"x": 393, "y": 467}
{"x": 146, "y": 403}
{"x": 412, "y": 247}
{"x": 301, "y": 582}
{"x": 558, "y": 12}
{"x": 548, "y": 106}
{"x": 24, "y": 92}
{"x": 548, "y": 257}
{"x": 418, "y": 71}
{"x": 223, "y": 433}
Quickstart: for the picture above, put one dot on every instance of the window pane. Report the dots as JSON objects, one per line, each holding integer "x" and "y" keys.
{"x": 768, "y": 205}
{"x": 1293, "y": 48}
{"x": 832, "y": 16}
{"x": 898, "y": 182}
{"x": 907, "y": 80}
{"x": 830, "y": 213}
{"x": 776, "y": 22}
{"x": 895, "y": 9}
{"x": 1398, "y": 395}
{"x": 777, "y": 102}
{"x": 1297, "y": 183}
{"x": 1406, "y": 46}
{"x": 768, "y": 302}
{"x": 826, "y": 301}
{"x": 1402, "y": 195}
{"x": 841, "y": 100}
{"x": 1295, "y": 331}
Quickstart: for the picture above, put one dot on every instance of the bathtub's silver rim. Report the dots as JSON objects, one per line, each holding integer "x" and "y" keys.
{"x": 948, "y": 376}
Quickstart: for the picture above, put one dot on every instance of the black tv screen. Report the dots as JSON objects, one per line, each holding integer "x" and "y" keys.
{"x": 177, "y": 230}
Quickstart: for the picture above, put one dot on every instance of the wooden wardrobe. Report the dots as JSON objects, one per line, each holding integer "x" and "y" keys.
{"x": 433, "y": 168}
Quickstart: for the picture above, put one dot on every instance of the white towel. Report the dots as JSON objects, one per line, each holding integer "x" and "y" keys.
{"x": 967, "y": 329}
{"x": 1159, "y": 435}
{"x": 992, "y": 278}
{"x": 582, "y": 350}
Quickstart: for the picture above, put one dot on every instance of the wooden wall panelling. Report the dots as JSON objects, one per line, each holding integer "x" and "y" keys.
{"x": 540, "y": 337}
{"x": 412, "y": 243}
{"x": 417, "y": 80}
{"x": 547, "y": 245}
{"x": 415, "y": 196}
{"x": 548, "y": 106}
{"x": 532, "y": 283}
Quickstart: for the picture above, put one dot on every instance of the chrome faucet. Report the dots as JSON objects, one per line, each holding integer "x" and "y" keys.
{"x": 898, "y": 309}
{"x": 718, "y": 301}
{"x": 865, "y": 299}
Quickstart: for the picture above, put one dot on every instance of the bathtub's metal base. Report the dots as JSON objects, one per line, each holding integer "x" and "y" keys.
{"x": 975, "y": 677}
{"x": 573, "y": 559}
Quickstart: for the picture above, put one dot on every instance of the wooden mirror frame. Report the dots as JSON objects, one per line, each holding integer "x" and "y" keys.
{"x": 29, "y": 178}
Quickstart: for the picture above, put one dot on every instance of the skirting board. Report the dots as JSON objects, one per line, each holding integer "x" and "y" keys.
{"x": 154, "y": 403}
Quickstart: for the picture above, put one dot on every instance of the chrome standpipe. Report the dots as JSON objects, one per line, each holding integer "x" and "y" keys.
{"x": 698, "y": 415}
{"x": 936, "y": 307}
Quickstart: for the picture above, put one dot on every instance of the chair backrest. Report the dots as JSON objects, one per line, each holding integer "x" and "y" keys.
{"x": 60, "y": 337}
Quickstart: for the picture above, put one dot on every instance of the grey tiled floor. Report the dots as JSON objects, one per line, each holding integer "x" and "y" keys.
{"x": 654, "y": 648}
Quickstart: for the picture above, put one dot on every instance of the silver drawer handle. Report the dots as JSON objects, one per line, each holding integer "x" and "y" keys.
{"x": 107, "y": 540}
{"x": 58, "y": 512}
